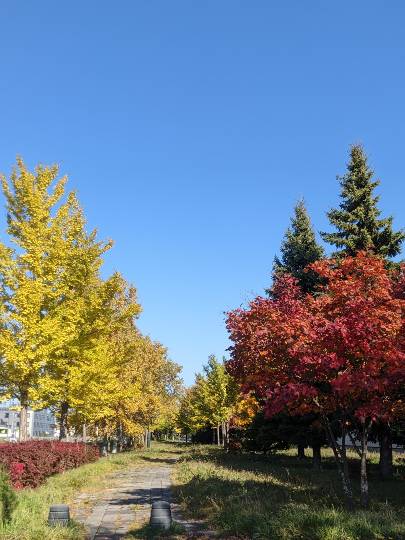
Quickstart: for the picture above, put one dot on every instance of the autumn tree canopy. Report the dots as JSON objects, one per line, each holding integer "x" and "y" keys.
{"x": 69, "y": 339}
{"x": 340, "y": 352}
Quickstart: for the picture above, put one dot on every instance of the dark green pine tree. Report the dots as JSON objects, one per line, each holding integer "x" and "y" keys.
{"x": 357, "y": 218}
{"x": 298, "y": 250}
{"x": 360, "y": 229}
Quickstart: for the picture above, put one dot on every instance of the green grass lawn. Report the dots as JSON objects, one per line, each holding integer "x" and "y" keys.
{"x": 280, "y": 497}
{"x": 248, "y": 496}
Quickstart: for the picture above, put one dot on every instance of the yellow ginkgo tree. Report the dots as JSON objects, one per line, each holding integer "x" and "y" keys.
{"x": 68, "y": 338}
{"x": 36, "y": 322}
{"x": 149, "y": 384}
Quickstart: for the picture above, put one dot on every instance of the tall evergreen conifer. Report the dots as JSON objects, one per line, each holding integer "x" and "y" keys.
{"x": 299, "y": 249}
{"x": 357, "y": 218}
{"x": 359, "y": 228}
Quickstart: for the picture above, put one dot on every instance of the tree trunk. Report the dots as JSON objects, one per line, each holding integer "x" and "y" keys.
{"x": 363, "y": 469}
{"x": 104, "y": 451}
{"x": 147, "y": 438}
{"x": 385, "y": 441}
{"x": 301, "y": 451}
{"x": 316, "y": 457}
{"x": 120, "y": 438}
{"x": 84, "y": 433}
{"x": 23, "y": 431}
{"x": 341, "y": 462}
{"x": 63, "y": 427}
{"x": 213, "y": 435}
{"x": 343, "y": 451}
{"x": 218, "y": 436}
{"x": 227, "y": 435}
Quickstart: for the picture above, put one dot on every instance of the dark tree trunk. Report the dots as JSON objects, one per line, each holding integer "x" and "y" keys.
{"x": 363, "y": 469}
{"x": 341, "y": 462}
{"x": 316, "y": 457}
{"x": 63, "y": 414}
{"x": 385, "y": 441}
{"x": 120, "y": 438}
{"x": 301, "y": 451}
{"x": 344, "y": 453}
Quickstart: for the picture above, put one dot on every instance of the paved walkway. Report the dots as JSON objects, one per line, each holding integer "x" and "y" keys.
{"x": 125, "y": 506}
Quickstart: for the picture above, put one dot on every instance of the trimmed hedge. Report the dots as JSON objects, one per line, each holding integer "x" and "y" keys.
{"x": 30, "y": 463}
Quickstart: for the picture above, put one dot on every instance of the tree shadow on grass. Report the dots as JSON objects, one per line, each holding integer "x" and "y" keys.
{"x": 263, "y": 510}
{"x": 299, "y": 472}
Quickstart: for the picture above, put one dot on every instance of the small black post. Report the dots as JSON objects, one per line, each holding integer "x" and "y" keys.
{"x": 59, "y": 515}
{"x": 161, "y": 515}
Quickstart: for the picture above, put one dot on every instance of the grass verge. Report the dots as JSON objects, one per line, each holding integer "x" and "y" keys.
{"x": 282, "y": 498}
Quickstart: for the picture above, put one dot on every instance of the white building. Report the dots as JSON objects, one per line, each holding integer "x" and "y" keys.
{"x": 41, "y": 424}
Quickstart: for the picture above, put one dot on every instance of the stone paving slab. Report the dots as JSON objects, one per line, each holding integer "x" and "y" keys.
{"x": 122, "y": 507}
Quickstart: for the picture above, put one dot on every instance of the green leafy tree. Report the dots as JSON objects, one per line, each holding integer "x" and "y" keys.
{"x": 357, "y": 220}
{"x": 210, "y": 402}
{"x": 220, "y": 396}
{"x": 298, "y": 250}
{"x": 190, "y": 418}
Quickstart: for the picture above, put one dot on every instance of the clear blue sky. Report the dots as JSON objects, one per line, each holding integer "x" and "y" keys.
{"x": 190, "y": 129}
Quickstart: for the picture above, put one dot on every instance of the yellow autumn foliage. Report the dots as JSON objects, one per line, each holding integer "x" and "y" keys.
{"x": 68, "y": 339}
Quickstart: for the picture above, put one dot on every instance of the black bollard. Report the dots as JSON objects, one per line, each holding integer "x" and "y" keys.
{"x": 59, "y": 515}
{"x": 161, "y": 515}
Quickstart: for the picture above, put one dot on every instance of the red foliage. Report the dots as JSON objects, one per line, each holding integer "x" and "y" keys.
{"x": 341, "y": 349}
{"x": 30, "y": 463}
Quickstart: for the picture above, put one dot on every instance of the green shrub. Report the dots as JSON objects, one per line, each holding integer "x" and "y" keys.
{"x": 8, "y": 499}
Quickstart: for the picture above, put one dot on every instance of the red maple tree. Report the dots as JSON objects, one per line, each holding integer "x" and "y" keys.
{"x": 339, "y": 353}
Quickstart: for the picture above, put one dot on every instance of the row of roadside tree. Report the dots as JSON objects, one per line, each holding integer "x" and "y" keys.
{"x": 68, "y": 338}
